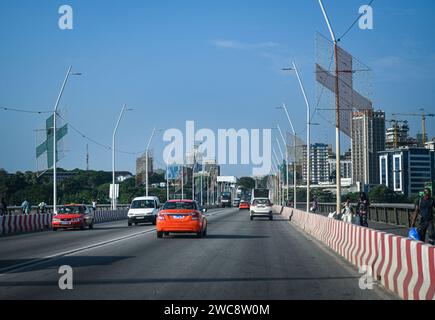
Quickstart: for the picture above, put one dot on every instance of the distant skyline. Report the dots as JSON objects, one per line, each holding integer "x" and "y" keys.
{"x": 217, "y": 63}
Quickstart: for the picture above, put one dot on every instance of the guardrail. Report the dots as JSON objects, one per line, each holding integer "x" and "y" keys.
{"x": 395, "y": 214}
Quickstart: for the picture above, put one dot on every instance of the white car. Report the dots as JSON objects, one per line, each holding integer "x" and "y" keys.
{"x": 261, "y": 207}
{"x": 143, "y": 209}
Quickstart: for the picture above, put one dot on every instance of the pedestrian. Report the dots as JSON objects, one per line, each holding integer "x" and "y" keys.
{"x": 42, "y": 207}
{"x": 94, "y": 205}
{"x": 363, "y": 209}
{"x": 315, "y": 205}
{"x": 347, "y": 211}
{"x": 3, "y": 207}
{"x": 424, "y": 208}
{"x": 26, "y": 207}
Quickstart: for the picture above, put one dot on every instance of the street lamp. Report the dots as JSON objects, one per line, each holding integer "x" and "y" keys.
{"x": 284, "y": 107}
{"x": 287, "y": 160}
{"x": 146, "y": 158}
{"x": 69, "y": 73}
{"x": 113, "y": 155}
{"x": 308, "y": 131}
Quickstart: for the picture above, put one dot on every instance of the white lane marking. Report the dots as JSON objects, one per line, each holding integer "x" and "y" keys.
{"x": 38, "y": 261}
{"x": 56, "y": 256}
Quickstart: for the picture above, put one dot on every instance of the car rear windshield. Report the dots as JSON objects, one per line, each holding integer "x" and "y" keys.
{"x": 71, "y": 210}
{"x": 179, "y": 206}
{"x": 262, "y": 201}
{"x": 142, "y": 204}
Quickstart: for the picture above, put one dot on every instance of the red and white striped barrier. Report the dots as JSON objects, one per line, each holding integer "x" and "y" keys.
{"x": 106, "y": 216}
{"x": 12, "y": 224}
{"x": 24, "y": 223}
{"x": 403, "y": 266}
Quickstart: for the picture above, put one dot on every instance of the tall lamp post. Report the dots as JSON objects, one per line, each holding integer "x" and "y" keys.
{"x": 69, "y": 73}
{"x": 287, "y": 160}
{"x": 113, "y": 155}
{"x": 308, "y": 132}
{"x": 146, "y": 160}
{"x": 294, "y": 162}
{"x": 337, "y": 108}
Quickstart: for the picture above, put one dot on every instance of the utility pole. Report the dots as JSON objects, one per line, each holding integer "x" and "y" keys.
{"x": 87, "y": 157}
{"x": 146, "y": 161}
{"x": 113, "y": 158}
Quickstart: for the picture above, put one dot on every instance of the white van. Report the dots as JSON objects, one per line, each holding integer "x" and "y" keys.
{"x": 143, "y": 209}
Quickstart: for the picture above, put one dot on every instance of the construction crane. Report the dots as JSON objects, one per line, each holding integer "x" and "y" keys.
{"x": 395, "y": 124}
{"x": 423, "y": 116}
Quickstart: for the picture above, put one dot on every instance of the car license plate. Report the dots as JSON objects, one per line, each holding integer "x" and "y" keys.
{"x": 65, "y": 222}
{"x": 178, "y": 217}
{"x": 140, "y": 218}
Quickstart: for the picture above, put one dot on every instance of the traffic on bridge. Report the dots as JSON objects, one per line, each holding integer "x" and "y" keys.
{"x": 183, "y": 153}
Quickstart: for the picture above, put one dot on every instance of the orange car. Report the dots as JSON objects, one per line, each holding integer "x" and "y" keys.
{"x": 244, "y": 205}
{"x": 181, "y": 216}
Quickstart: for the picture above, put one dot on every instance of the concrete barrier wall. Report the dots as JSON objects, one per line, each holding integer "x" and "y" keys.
{"x": 403, "y": 266}
{"x": 12, "y": 224}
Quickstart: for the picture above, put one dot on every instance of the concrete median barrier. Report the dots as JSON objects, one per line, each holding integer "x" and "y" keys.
{"x": 13, "y": 224}
{"x": 401, "y": 265}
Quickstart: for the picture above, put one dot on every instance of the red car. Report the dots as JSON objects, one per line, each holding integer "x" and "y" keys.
{"x": 181, "y": 216}
{"x": 244, "y": 205}
{"x": 73, "y": 216}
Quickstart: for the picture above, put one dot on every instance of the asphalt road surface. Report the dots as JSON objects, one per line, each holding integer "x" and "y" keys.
{"x": 239, "y": 259}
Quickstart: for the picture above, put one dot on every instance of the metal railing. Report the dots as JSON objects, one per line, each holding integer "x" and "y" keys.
{"x": 395, "y": 214}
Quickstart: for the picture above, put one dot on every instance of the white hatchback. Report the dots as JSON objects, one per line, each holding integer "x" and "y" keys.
{"x": 261, "y": 207}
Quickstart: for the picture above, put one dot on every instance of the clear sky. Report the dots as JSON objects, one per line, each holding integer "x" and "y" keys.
{"x": 215, "y": 62}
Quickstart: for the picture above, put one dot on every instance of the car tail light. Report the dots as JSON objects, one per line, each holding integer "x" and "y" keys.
{"x": 195, "y": 216}
{"x": 162, "y": 216}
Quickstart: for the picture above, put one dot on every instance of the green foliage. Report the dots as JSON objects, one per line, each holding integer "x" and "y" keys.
{"x": 83, "y": 187}
{"x": 247, "y": 183}
{"x": 383, "y": 194}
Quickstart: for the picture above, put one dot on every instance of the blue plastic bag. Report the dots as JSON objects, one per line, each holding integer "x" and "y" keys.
{"x": 413, "y": 234}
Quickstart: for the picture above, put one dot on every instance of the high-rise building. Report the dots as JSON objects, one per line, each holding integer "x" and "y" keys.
{"x": 406, "y": 170}
{"x": 319, "y": 163}
{"x": 397, "y": 136}
{"x": 141, "y": 168}
{"x": 345, "y": 167}
{"x": 368, "y": 138}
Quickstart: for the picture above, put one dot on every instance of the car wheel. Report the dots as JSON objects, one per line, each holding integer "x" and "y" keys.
{"x": 91, "y": 226}
{"x": 154, "y": 222}
{"x": 252, "y": 218}
{"x": 136, "y": 223}
{"x": 130, "y": 224}
{"x": 200, "y": 234}
{"x": 271, "y": 218}
{"x": 82, "y": 227}
{"x": 159, "y": 234}
{"x": 54, "y": 229}
{"x": 205, "y": 232}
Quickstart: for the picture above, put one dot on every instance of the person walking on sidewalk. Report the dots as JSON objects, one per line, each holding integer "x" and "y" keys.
{"x": 26, "y": 207}
{"x": 363, "y": 209}
{"x": 3, "y": 207}
{"x": 424, "y": 208}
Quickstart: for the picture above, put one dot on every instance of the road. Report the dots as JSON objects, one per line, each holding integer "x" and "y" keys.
{"x": 240, "y": 259}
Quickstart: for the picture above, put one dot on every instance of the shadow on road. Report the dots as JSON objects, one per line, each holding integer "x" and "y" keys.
{"x": 173, "y": 280}
{"x": 31, "y": 265}
{"x": 215, "y": 236}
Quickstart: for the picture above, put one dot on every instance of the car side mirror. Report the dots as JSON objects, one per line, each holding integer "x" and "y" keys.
{"x": 204, "y": 210}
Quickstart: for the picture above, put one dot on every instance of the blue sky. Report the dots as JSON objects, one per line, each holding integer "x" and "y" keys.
{"x": 215, "y": 62}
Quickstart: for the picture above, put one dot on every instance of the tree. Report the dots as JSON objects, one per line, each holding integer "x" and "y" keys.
{"x": 247, "y": 183}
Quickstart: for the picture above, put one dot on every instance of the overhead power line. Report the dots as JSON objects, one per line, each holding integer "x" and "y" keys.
{"x": 353, "y": 24}
{"x": 23, "y": 110}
